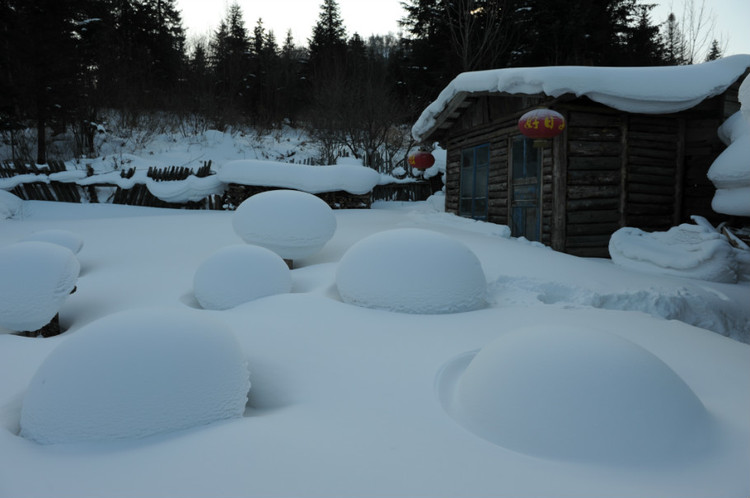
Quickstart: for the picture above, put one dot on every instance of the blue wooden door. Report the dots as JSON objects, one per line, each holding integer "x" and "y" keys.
{"x": 526, "y": 171}
{"x": 474, "y": 182}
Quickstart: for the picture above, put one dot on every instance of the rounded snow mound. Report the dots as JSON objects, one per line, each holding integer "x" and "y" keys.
{"x": 134, "y": 374}
{"x": 577, "y": 394}
{"x": 10, "y": 205}
{"x": 64, "y": 238}
{"x": 240, "y": 273}
{"x": 291, "y": 223}
{"x": 36, "y": 279}
{"x": 690, "y": 251}
{"x": 412, "y": 271}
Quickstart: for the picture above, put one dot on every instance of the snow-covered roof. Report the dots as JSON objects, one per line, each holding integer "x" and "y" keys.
{"x": 650, "y": 90}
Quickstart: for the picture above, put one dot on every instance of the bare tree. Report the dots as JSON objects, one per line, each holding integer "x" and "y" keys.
{"x": 698, "y": 27}
{"x": 478, "y": 31}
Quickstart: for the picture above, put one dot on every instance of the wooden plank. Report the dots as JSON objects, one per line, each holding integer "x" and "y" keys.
{"x": 586, "y": 204}
{"x": 651, "y": 152}
{"x": 650, "y": 188}
{"x": 594, "y": 177}
{"x": 594, "y": 134}
{"x": 575, "y": 229}
{"x": 588, "y": 119}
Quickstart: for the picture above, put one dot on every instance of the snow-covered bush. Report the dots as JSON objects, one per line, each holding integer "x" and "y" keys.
{"x": 134, "y": 374}
{"x": 64, "y": 238}
{"x": 412, "y": 271}
{"x": 290, "y": 223}
{"x": 37, "y": 278}
{"x": 580, "y": 394}
{"x": 10, "y": 205}
{"x": 240, "y": 273}
{"x": 690, "y": 251}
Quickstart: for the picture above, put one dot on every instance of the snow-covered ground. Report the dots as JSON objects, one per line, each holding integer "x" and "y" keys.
{"x": 627, "y": 375}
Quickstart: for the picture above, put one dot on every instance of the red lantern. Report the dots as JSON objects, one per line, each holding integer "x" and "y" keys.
{"x": 541, "y": 123}
{"x": 421, "y": 160}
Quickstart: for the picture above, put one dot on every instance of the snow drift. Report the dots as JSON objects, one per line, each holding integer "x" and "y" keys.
{"x": 412, "y": 271}
{"x": 687, "y": 250}
{"x": 35, "y": 280}
{"x": 134, "y": 374}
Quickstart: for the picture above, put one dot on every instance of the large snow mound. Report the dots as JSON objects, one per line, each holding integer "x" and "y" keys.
{"x": 238, "y": 274}
{"x": 412, "y": 271}
{"x": 10, "y": 205}
{"x": 352, "y": 178}
{"x": 35, "y": 280}
{"x": 730, "y": 172}
{"x": 64, "y": 238}
{"x": 651, "y": 90}
{"x": 576, "y": 393}
{"x": 290, "y": 223}
{"x": 690, "y": 251}
{"x": 135, "y": 374}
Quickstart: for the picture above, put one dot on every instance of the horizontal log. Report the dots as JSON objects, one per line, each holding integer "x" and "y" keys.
{"x": 650, "y": 188}
{"x": 602, "y": 134}
{"x": 605, "y": 177}
{"x": 593, "y": 216}
{"x": 586, "y": 204}
{"x": 593, "y": 163}
{"x": 587, "y": 240}
{"x": 588, "y": 192}
{"x": 586, "y": 119}
{"x": 656, "y": 179}
{"x": 636, "y": 169}
{"x": 652, "y": 152}
{"x": 647, "y": 209}
{"x": 579, "y": 148}
{"x": 592, "y": 228}
{"x": 652, "y": 199}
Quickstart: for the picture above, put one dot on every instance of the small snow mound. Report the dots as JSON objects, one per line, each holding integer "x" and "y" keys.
{"x": 64, "y": 238}
{"x": 10, "y": 205}
{"x": 412, "y": 271}
{"x": 135, "y": 374}
{"x": 37, "y": 278}
{"x": 578, "y": 394}
{"x": 690, "y": 251}
{"x": 290, "y": 223}
{"x": 238, "y": 274}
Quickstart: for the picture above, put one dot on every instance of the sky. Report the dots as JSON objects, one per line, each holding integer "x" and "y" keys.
{"x": 368, "y": 17}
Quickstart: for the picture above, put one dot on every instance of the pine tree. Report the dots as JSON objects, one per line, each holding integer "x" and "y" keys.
{"x": 714, "y": 52}
{"x": 229, "y": 49}
{"x": 328, "y": 43}
{"x": 674, "y": 42}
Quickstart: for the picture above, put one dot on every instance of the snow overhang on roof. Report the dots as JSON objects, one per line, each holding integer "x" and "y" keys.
{"x": 648, "y": 90}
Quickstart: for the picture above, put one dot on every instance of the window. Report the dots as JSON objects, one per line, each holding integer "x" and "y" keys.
{"x": 474, "y": 186}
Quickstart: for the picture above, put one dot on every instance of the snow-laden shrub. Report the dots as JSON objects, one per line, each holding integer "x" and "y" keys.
{"x": 576, "y": 393}
{"x": 690, "y": 251}
{"x": 10, "y": 205}
{"x": 412, "y": 271}
{"x": 134, "y": 374}
{"x": 35, "y": 280}
{"x": 240, "y": 273}
{"x": 290, "y": 223}
{"x": 64, "y": 238}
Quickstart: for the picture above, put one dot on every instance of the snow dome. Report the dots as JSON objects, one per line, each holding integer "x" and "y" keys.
{"x": 63, "y": 238}
{"x": 290, "y": 223}
{"x": 134, "y": 374}
{"x": 576, "y": 393}
{"x": 412, "y": 271}
{"x": 37, "y": 278}
{"x": 240, "y": 273}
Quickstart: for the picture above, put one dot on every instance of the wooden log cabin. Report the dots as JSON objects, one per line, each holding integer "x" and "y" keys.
{"x": 635, "y": 151}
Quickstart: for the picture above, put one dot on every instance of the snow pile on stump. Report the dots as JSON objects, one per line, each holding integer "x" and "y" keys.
{"x": 412, "y": 271}
{"x": 37, "y": 278}
{"x": 237, "y": 274}
{"x": 10, "y": 205}
{"x": 578, "y": 394}
{"x": 64, "y": 238}
{"x": 691, "y": 251}
{"x": 135, "y": 374}
{"x": 290, "y": 223}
